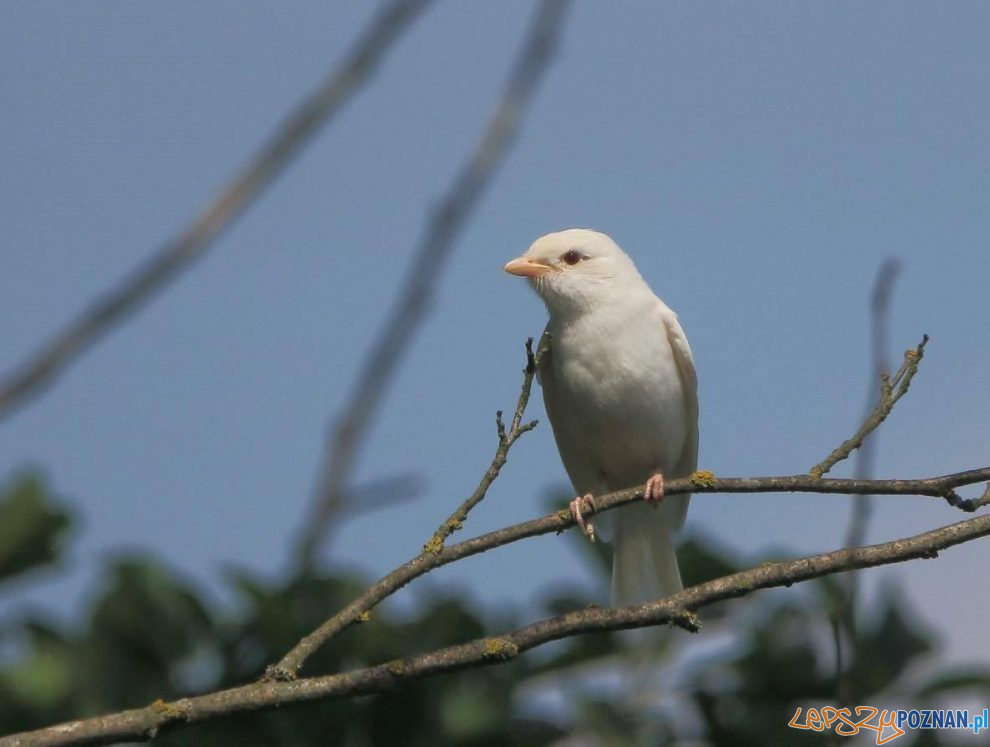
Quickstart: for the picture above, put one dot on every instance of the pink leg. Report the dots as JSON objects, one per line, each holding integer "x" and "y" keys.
{"x": 653, "y": 492}
{"x": 576, "y": 515}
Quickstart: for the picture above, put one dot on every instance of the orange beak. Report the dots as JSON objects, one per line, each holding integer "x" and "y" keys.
{"x": 526, "y": 268}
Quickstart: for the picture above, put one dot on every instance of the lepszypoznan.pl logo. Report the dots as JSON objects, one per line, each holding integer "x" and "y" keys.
{"x": 889, "y": 725}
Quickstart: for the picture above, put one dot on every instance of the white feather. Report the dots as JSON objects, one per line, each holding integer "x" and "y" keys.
{"x": 621, "y": 391}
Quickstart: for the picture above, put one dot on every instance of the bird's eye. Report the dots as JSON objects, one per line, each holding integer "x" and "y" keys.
{"x": 572, "y": 257}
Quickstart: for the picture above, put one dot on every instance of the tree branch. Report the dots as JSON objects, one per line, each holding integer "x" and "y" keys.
{"x": 891, "y": 390}
{"x": 883, "y": 289}
{"x": 299, "y": 128}
{"x": 505, "y": 440}
{"x": 418, "y": 290}
{"x": 700, "y": 482}
{"x": 679, "y": 609}
{"x": 845, "y": 617}
{"x": 433, "y": 551}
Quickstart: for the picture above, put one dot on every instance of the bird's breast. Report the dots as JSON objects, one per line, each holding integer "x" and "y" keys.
{"x": 620, "y": 398}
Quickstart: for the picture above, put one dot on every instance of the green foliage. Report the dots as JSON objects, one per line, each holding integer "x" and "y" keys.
{"x": 149, "y": 634}
{"x": 781, "y": 664}
{"x": 31, "y": 526}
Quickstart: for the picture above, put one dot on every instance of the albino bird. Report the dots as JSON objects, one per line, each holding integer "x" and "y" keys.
{"x": 621, "y": 391}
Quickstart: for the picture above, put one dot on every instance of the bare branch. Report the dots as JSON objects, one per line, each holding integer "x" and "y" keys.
{"x": 891, "y": 390}
{"x": 298, "y": 129}
{"x": 435, "y": 246}
{"x": 505, "y": 440}
{"x": 705, "y": 482}
{"x": 432, "y": 554}
{"x": 679, "y": 609}
{"x": 883, "y": 288}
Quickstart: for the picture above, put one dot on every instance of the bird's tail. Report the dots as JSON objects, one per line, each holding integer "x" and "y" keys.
{"x": 644, "y": 563}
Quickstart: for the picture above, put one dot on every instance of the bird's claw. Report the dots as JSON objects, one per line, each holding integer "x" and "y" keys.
{"x": 653, "y": 492}
{"x": 575, "y": 506}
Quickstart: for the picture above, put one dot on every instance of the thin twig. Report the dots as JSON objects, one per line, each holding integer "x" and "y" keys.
{"x": 891, "y": 390}
{"x": 679, "y": 609}
{"x": 883, "y": 288}
{"x": 409, "y": 309}
{"x": 506, "y": 439}
{"x": 298, "y": 129}
{"x": 290, "y": 664}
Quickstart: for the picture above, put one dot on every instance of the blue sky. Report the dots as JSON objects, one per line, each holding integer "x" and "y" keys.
{"x": 757, "y": 160}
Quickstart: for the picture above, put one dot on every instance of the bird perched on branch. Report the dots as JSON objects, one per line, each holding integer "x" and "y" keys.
{"x": 621, "y": 391}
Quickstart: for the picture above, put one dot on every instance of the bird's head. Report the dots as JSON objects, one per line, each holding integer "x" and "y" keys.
{"x": 576, "y": 270}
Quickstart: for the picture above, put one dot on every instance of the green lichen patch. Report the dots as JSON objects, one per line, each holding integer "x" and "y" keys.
{"x": 434, "y": 545}
{"x": 170, "y": 710}
{"x": 500, "y": 648}
{"x": 703, "y": 478}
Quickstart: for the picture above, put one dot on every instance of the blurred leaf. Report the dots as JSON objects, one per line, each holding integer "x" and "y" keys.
{"x": 31, "y": 526}
{"x": 780, "y": 663}
{"x": 445, "y": 621}
{"x": 45, "y": 676}
{"x": 609, "y": 720}
{"x": 41, "y": 685}
{"x": 469, "y": 712}
{"x": 43, "y": 679}
{"x": 886, "y": 646}
{"x": 141, "y": 630}
{"x": 747, "y": 700}
{"x": 700, "y": 561}
{"x": 972, "y": 680}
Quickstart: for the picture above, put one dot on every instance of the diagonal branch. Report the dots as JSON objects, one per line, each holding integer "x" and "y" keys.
{"x": 845, "y": 619}
{"x": 679, "y": 609}
{"x": 284, "y": 144}
{"x": 505, "y": 440}
{"x": 883, "y": 289}
{"x": 705, "y": 482}
{"x": 433, "y": 551}
{"x": 891, "y": 390}
{"x": 418, "y": 290}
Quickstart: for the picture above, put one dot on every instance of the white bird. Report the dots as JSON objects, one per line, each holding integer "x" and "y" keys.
{"x": 621, "y": 391}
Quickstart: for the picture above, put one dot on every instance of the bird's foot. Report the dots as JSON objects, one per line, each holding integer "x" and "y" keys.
{"x": 653, "y": 492}
{"x": 575, "y": 506}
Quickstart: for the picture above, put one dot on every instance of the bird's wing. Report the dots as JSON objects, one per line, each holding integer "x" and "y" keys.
{"x": 544, "y": 368}
{"x": 688, "y": 460}
{"x": 644, "y": 563}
